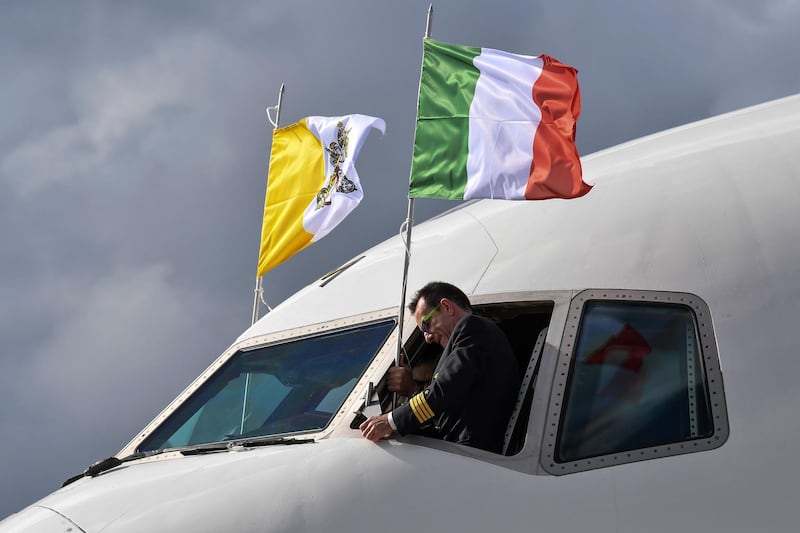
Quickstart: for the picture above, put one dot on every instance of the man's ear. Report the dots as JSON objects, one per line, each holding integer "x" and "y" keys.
{"x": 447, "y": 305}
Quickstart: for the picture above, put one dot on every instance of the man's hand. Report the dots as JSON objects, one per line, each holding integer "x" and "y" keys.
{"x": 399, "y": 380}
{"x": 376, "y": 427}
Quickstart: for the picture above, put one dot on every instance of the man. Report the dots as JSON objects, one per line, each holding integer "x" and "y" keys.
{"x": 474, "y": 384}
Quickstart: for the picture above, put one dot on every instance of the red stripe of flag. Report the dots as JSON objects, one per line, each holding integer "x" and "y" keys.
{"x": 556, "y": 167}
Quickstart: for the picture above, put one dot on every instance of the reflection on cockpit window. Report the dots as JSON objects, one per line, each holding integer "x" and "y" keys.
{"x": 290, "y": 387}
{"x": 637, "y": 381}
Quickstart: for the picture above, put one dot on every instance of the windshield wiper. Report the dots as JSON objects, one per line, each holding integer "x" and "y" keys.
{"x": 247, "y": 443}
{"x": 112, "y": 462}
{"x": 108, "y": 463}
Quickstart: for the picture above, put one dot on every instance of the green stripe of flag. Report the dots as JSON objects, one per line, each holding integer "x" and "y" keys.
{"x": 447, "y": 87}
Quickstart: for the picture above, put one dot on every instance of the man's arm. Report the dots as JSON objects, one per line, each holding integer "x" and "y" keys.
{"x": 459, "y": 369}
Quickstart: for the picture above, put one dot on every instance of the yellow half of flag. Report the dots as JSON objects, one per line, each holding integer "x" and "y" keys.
{"x": 312, "y": 184}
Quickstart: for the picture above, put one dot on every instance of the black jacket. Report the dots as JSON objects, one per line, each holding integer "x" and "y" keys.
{"x": 473, "y": 391}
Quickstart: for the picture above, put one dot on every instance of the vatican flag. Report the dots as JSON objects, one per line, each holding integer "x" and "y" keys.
{"x": 312, "y": 185}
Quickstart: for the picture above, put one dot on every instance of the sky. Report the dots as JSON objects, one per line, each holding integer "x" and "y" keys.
{"x": 133, "y": 164}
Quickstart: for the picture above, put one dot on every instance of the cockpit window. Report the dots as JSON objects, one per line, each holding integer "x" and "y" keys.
{"x": 637, "y": 378}
{"x": 290, "y": 387}
{"x": 637, "y": 381}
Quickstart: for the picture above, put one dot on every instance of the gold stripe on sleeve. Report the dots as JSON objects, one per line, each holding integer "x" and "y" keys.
{"x": 420, "y": 408}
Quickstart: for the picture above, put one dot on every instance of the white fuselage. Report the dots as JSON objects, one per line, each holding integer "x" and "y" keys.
{"x": 710, "y": 209}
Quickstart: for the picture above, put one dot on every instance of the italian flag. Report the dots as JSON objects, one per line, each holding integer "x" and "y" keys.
{"x": 491, "y": 124}
{"x": 313, "y": 184}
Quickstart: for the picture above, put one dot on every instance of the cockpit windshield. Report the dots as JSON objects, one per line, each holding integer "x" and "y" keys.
{"x": 293, "y": 386}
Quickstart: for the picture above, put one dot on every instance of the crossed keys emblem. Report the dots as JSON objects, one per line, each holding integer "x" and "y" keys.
{"x": 337, "y": 181}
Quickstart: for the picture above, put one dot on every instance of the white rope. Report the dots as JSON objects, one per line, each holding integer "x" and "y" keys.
{"x": 406, "y": 245}
{"x": 273, "y": 121}
{"x": 263, "y": 301}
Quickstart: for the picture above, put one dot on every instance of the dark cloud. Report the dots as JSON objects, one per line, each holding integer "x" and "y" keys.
{"x": 133, "y": 154}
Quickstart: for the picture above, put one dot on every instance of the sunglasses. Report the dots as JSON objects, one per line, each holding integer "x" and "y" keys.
{"x": 425, "y": 324}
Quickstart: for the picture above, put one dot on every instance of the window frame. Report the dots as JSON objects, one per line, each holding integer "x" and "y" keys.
{"x": 527, "y": 459}
{"x": 211, "y": 403}
{"x": 383, "y": 355}
{"x": 564, "y": 369}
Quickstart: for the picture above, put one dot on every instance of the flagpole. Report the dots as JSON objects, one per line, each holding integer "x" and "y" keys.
{"x": 409, "y": 224}
{"x": 258, "y": 295}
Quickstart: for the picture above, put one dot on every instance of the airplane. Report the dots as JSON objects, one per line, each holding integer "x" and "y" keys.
{"x": 652, "y": 320}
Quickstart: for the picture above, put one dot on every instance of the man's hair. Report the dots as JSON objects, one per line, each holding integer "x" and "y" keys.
{"x": 433, "y": 293}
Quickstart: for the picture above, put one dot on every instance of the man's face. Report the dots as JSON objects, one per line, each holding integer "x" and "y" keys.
{"x": 438, "y": 320}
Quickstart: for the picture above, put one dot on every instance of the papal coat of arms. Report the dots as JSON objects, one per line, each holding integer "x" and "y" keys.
{"x": 337, "y": 181}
